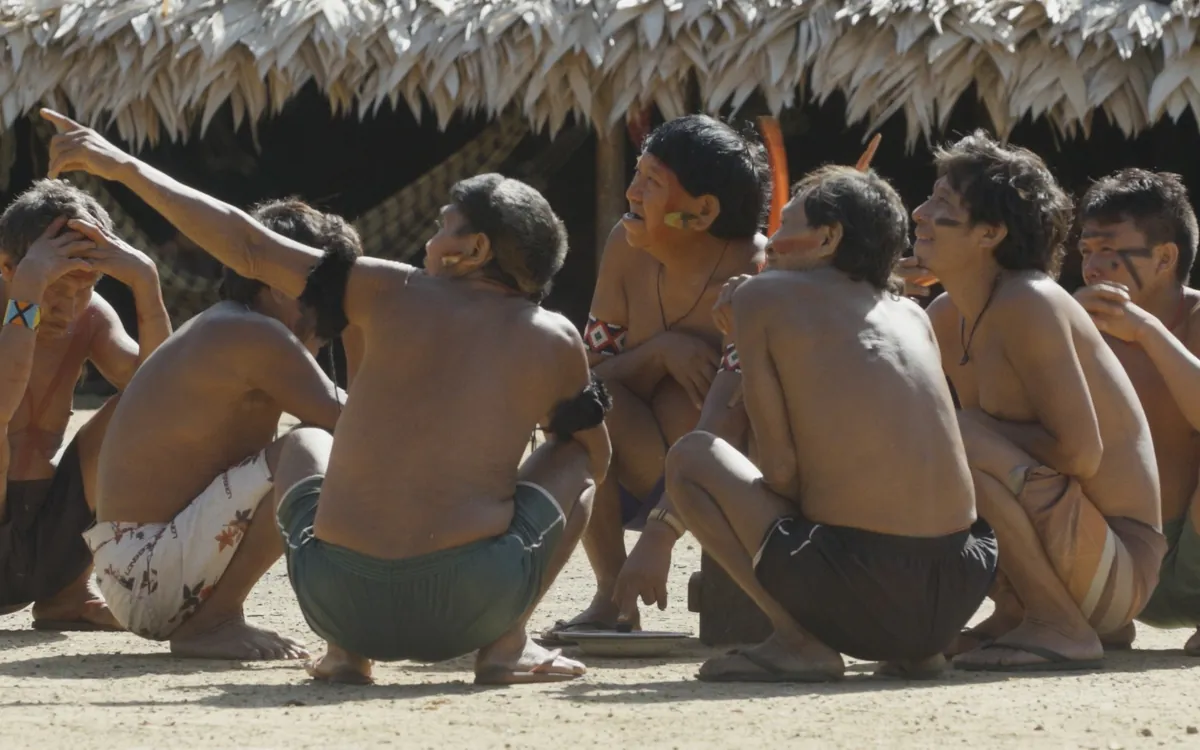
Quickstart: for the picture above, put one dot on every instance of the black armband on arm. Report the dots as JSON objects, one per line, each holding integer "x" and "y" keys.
{"x": 582, "y": 411}
{"x": 325, "y": 291}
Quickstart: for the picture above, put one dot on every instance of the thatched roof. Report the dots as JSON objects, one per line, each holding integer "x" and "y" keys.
{"x": 155, "y": 66}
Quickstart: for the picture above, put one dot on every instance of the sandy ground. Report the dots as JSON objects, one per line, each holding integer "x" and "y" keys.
{"x": 84, "y": 690}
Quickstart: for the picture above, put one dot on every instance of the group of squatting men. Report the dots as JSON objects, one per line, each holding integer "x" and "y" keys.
{"x": 866, "y": 470}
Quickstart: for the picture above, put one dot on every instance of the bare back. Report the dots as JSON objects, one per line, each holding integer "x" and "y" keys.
{"x": 1126, "y": 483}
{"x": 204, "y": 401}
{"x": 454, "y": 378}
{"x": 875, "y": 433}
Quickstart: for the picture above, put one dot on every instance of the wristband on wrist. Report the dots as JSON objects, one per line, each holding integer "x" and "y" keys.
{"x": 23, "y": 314}
{"x": 665, "y": 516}
{"x": 731, "y": 361}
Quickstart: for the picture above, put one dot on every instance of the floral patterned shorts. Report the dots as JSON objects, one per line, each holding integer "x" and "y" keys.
{"x": 155, "y": 576}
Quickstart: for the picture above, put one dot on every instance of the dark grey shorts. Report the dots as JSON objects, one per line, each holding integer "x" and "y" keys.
{"x": 877, "y": 597}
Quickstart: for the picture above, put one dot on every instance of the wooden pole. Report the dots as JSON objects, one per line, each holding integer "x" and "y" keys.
{"x": 610, "y": 184}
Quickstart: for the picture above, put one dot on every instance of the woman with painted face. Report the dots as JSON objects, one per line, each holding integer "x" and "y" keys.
{"x": 697, "y": 203}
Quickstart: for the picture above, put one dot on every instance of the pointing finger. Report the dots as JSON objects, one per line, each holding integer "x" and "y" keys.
{"x": 61, "y": 122}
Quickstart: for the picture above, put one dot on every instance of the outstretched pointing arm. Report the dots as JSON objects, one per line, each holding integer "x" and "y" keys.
{"x": 224, "y": 231}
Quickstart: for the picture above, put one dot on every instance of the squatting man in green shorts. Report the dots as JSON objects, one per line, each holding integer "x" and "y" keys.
{"x": 416, "y": 532}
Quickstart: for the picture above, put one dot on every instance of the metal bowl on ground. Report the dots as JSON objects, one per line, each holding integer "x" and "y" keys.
{"x": 640, "y": 643}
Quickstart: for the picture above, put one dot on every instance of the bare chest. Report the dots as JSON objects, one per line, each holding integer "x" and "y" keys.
{"x": 1168, "y": 427}
{"x": 40, "y": 422}
{"x": 655, "y": 307}
{"x": 999, "y": 390}
{"x": 49, "y": 394}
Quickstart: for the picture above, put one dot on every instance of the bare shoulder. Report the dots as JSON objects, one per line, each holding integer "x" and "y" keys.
{"x": 902, "y": 305}
{"x": 1028, "y": 298}
{"x": 942, "y": 311}
{"x": 101, "y": 323}
{"x": 764, "y": 289}
{"x": 101, "y": 310}
{"x": 556, "y": 332}
{"x": 232, "y": 327}
{"x": 1036, "y": 318}
{"x": 372, "y": 279}
{"x": 619, "y": 257}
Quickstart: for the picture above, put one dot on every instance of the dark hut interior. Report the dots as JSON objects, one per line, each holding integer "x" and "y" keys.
{"x": 341, "y": 164}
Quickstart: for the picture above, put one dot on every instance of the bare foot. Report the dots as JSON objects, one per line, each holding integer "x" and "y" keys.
{"x": 1035, "y": 646}
{"x": 1120, "y": 640}
{"x": 776, "y": 659}
{"x": 601, "y": 614}
{"x": 340, "y": 666}
{"x": 74, "y": 614}
{"x": 907, "y": 669}
{"x": 1192, "y": 648}
{"x": 234, "y": 639}
{"x": 516, "y": 660}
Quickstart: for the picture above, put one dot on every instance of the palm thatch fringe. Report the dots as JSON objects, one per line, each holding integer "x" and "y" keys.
{"x": 155, "y": 67}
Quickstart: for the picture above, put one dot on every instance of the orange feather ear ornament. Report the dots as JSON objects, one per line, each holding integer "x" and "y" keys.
{"x": 772, "y": 137}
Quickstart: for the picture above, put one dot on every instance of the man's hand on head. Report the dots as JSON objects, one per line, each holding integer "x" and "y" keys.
{"x": 76, "y": 148}
{"x": 114, "y": 257}
{"x": 53, "y": 255}
{"x": 1113, "y": 311}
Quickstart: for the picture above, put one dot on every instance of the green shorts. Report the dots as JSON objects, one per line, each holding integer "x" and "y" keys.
{"x": 429, "y": 608}
{"x": 1176, "y": 600}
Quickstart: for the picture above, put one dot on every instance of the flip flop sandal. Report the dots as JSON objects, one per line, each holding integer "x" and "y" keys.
{"x": 501, "y": 675}
{"x": 981, "y": 640}
{"x": 1054, "y": 661}
{"x": 553, "y": 636}
{"x": 765, "y": 672}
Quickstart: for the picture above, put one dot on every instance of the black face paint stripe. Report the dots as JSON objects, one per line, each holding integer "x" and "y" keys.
{"x": 947, "y": 223}
{"x": 1133, "y": 252}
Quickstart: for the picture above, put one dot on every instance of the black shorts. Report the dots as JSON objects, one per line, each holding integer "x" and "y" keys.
{"x": 41, "y": 543}
{"x": 877, "y": 597}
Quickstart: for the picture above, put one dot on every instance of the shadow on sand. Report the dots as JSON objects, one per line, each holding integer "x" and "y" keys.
{"x": 113, "y": 666}
{"x": 859, "y": 678}
{"x": 592, "y": 689}
{"x": 11, "y": 640}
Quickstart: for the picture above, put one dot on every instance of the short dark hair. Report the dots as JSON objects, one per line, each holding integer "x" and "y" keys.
{"x": 529, "y": 241}
{"x": 1010, "y": 186}
{"x": 27, "y": 217}
{"x": 872, "y": 216}
{"x": 297, "y": 221}
{"x": 709, "y": 157}
{"x": 1156, "y": 202}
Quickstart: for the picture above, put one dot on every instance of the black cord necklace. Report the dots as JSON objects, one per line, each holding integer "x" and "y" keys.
{"x": 658, "y": 288}
{"x": 965, "y": 340}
